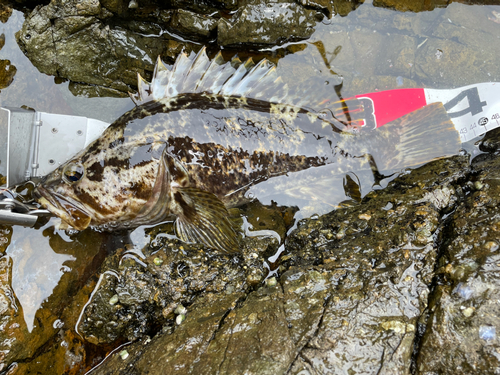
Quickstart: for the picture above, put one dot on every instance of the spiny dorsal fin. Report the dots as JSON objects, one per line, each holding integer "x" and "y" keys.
{"x": 197, "y": 74}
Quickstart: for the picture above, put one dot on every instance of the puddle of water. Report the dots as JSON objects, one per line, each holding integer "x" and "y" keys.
{"x": 36, "y": 270}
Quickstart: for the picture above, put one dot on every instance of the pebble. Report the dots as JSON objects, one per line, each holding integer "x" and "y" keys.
{"x": 491, "y": 246}
{"x": 113, "y": 300}
{"x": 179, "y": 319}
{"x": 158, "y": 261}
{"x": 271, "y": 281}
{"x": 468, "y": 311}
{"x": 124, "y": 354}
{"x": 180, "y": 310}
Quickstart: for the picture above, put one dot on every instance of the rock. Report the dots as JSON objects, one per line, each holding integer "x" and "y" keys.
{"x": 149, "y": 288}
{"x": 408, "y": 57}
{"x": 7, "y": 73}
{"x": 379, "y": 272}
{"x": 267, "y": 23}
{"x": 411, "y": 5}
{"x": 353, "y": 301}
{"x": 192, "y": 24}
{"x": 53, "y": 35}
{"x": 37, "y": 279}
{"x": 463, "y": 315}
{"x": 205, "y": 7}
{"x": 174, "y": 351}
{"x": 424, "y": 5}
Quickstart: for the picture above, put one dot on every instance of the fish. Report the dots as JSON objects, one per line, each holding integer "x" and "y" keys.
{"x": 206, "y": 130}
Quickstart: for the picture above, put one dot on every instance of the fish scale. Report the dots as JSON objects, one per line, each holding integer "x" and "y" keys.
{"x": 205, "y": 132}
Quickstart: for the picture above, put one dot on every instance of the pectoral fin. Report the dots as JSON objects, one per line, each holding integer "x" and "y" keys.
{"x": 202, "y": 218}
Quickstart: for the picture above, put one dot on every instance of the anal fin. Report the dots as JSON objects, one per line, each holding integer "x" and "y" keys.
{"x": 203, "y": 218}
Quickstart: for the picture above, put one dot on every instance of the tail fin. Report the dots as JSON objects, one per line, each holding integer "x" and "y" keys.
{"x": 417, "y": 138}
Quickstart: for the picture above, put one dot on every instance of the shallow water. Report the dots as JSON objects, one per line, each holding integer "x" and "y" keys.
{"x": 371, "y": 49}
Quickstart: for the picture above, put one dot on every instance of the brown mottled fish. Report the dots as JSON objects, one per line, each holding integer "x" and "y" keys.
{"x": 203, "y": 133}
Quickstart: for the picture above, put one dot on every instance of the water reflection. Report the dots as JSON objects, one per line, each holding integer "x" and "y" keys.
{"x": 37, "y": 268}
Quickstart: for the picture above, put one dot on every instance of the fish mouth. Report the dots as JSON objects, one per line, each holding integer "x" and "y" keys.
{"x": 63, "y": 207}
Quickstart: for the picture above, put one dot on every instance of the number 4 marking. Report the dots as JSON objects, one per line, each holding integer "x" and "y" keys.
{"x": 475, "y": 103}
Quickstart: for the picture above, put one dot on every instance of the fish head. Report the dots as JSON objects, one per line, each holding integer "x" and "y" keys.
{"x": 108, "y": 186}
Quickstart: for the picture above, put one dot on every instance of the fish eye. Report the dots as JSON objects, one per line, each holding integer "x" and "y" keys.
{"x": 73, "y": 172}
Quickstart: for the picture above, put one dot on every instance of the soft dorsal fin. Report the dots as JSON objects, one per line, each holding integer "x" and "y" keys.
{"x": 197, "y": 74}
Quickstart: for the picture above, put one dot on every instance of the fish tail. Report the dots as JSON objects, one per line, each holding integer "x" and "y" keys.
{"x": 417, "y": 138}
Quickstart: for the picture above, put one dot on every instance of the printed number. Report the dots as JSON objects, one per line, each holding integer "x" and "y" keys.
{"x": 475, "y": 103}
{"x": 496, "y": 116}
{"x": 463, "y": 131}
{"x": 370, "y": 121}
{"x": 473, "y": 126}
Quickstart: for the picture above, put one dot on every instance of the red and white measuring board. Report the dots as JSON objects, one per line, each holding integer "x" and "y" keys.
{"x": 474, "y": 109}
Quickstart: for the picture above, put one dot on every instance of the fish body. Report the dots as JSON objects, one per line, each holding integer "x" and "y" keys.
{"x": 193, "y": 147}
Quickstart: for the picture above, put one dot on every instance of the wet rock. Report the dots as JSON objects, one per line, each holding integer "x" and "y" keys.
{"x": 192, "y": 24}
{"x": 134, "y": 293}
{"x": 254, "y": 337}
{"x": 459, "y": 49}
{"x": 11, "y": 321}
{"x": 35, "y": 287}
{"x": 464, "y": 309}
{"x": 5, "y": 13}
{"x": 425, "y": 5}
{"x": 332, "y": 7}
{"x": 206, "y": 7}
{"x": 411, "y": 5}
{"x": 344, "y": 7}
{"x": 267, "y": 23}
{"x": 115, "y": 6}
{"x": 379, "y": 272}
{"x": 342, "y": 301}
{"x": 427, "y": 49}
{"x": 53, "y": 35}
{"x": 174, "y": 351}
{"x": 7, "y": 73}
{"x": 491, "y": 141}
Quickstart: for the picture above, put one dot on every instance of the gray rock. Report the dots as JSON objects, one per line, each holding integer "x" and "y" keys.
{"x": 267, "y": 23}
{"x": 53, "y": 35}
{"x": 192, "y": 24}
{"x": 463, "y": 320}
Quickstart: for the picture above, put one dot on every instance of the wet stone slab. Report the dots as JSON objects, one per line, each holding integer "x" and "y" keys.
{"x": 381, "y": 258}
{"x": 268, "y": 23}
{"x": 463, "y": 316}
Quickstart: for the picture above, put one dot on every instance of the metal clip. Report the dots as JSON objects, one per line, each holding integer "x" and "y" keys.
{"x": 13, "y": 212}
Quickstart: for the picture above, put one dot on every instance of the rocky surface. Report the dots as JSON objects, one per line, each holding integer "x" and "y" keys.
{"x": 464, "y": 309}
{"x": 121, "y": 41}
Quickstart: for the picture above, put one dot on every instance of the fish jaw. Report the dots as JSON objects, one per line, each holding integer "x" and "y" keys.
{"x": 68, "y": 211}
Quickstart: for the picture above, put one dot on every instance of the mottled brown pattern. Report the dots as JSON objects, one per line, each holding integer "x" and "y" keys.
{"x": 222, "y": 145}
